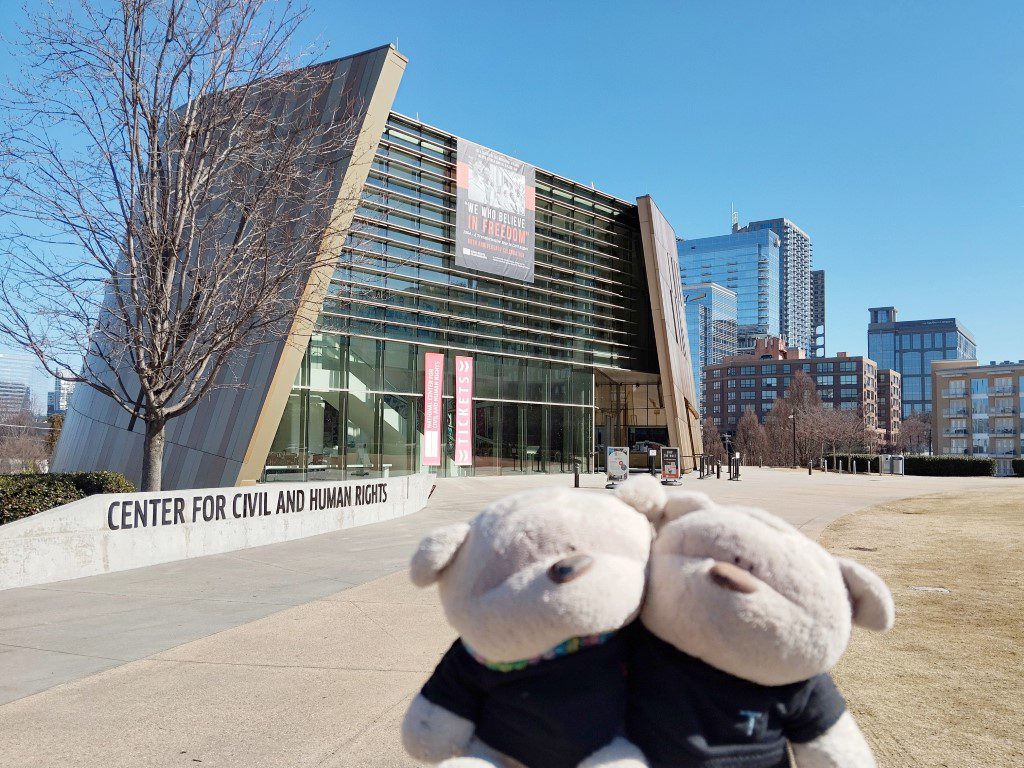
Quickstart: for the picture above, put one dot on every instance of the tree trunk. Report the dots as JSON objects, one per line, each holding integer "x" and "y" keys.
{"x": 153, "y": 455}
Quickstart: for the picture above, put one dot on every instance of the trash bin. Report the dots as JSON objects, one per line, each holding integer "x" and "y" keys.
{"x": 897, "y": 465}
{"x": 885, "y": 464}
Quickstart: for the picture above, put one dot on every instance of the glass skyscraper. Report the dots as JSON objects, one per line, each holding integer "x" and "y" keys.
{"x": 747, "y": 263}
{"x": 711, "y": 327}
{"x": 794, "y": 281}
{"x": 910, "y": 347}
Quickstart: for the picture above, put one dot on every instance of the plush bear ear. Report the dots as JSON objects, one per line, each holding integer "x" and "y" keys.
{"x": 436, "y": 552}
{"x": 647, "y": 496}
{"x": 683, "y": 503}
{"x": 644, "y": 494}
{"x": 873, "y": 607}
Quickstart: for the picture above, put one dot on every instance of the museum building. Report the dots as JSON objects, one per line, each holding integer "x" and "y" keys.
{"x": 566, "y": 300}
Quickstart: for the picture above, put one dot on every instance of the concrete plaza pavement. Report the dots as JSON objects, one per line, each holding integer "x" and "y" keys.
{"x": 300, "y": 654}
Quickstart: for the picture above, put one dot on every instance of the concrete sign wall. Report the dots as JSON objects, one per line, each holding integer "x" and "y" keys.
{"x": 115, "y": 532}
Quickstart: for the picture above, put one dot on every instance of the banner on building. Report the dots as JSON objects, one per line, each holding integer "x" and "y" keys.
{"x": 433, "y": 385}
{"x": 495, "y": 212}
{"x": 617, "y": 464}
{"x": 670, "y": 463}
{"x": 463, "y": 411}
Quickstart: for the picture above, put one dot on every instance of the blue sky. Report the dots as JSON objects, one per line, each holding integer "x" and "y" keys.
{"x": 890, "y": 131}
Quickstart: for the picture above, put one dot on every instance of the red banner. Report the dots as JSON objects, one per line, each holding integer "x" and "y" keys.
{"x": 463, "y": 411}
{"x": 433, "y": 386}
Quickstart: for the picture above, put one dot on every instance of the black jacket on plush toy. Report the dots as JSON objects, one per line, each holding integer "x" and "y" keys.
{"x": 684, "y": 713}
{"x": 552, "y": 712}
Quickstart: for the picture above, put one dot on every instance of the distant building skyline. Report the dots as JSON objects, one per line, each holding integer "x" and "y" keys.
{"x": 57, "y": 398}
{"x": 747, "y": 263}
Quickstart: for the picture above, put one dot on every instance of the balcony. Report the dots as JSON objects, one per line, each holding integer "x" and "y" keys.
{"x": 1004, "y": 390}
{"x": 954, "y": 412}
{"x": 954, "y": 393}
{"x": 1004, "y": 431}
{"x": 960, "y": 432}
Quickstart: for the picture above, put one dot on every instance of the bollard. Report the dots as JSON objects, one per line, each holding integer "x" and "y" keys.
{"x": 810, "y": 468}
{"x": 719, "y": 471}
{"x": 853, "y": 466}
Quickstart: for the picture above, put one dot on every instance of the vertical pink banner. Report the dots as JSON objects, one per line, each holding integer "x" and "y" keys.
{"x": 433, "y": 384}
{"x": 463, "y": 411}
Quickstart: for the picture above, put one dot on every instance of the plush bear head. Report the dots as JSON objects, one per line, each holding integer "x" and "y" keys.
{"x": 536, "y": 569}
{"x": 748, "y": 593}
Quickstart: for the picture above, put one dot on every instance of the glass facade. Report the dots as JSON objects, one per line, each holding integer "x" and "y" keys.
{"x": 711, "y": 326}
{"x": 356, "y": 408}
{"x": 746, "y": 263}
{"x": 910, "y": 347}
{"x": 795, "y": 308}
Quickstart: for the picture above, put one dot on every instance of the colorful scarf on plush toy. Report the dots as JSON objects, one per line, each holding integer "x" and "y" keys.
{"x": 571, "y": 645}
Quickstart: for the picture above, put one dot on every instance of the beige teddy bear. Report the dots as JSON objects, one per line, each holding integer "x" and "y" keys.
{"x": 537, "y": 585}
{"x": 744, "y": 616}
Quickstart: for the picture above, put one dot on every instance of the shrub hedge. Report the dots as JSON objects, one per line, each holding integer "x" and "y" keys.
{"x": 23, "y": 495}
{"x": 1018, "y": 467}
{"x": 949, "y": 466}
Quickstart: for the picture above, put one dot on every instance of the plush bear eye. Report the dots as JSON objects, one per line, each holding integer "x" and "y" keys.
{"x": 744, "y": 564}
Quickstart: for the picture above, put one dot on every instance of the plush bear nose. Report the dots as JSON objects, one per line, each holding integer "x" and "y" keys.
{"x": 569, "y": 568}
{"x": 733, "y": 577}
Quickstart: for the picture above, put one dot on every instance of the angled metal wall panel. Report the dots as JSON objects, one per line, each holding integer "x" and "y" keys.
{"x": 224, "y": 440}
{"x": 665, "y": 288}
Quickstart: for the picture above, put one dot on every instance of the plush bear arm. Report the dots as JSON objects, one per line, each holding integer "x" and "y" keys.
{"x": 620, "y": 753}
{"x": 841, "y": 746}
{"x": 431, "y": 733}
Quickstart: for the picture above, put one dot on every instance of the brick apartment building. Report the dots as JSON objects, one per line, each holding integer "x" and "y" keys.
{"x": 757, "y": 380}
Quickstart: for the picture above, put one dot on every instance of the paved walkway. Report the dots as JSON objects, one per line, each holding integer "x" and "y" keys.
{"x": 296, "y": 654}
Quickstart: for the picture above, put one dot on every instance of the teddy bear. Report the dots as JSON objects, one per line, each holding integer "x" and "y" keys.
{"x": 538, "y": 586}
{"x": 744, "y": 617}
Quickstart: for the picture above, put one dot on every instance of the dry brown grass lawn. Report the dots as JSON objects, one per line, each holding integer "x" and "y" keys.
{"x": 945, "y": 688}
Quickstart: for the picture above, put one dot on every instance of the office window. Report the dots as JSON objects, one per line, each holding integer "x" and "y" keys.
{"x": 846, "y": 392}
{"x": 823, "y": 381}
{"x": 746, "y": 382}
{"x": 847, "y": 379}
{"x": 825, "y": 367}
{"x": 848, "y": 365}
{"x": 732, "y": 384}
{"x": 767, "y": 369}
{"x": 769, "y": 381}
{"x": 747, "y": 370}
{"x": 747, "y": 395}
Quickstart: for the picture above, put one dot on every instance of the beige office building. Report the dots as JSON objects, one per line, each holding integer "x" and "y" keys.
{"x": 976, "y": 410}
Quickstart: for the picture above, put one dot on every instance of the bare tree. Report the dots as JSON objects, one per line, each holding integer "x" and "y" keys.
{"x": 712, "y": 438}
{"x": 168, "y": 181}
{"x": 916, "y": 433}
{"x": 751, "y": 440}
{"x": 23, "y": 445}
